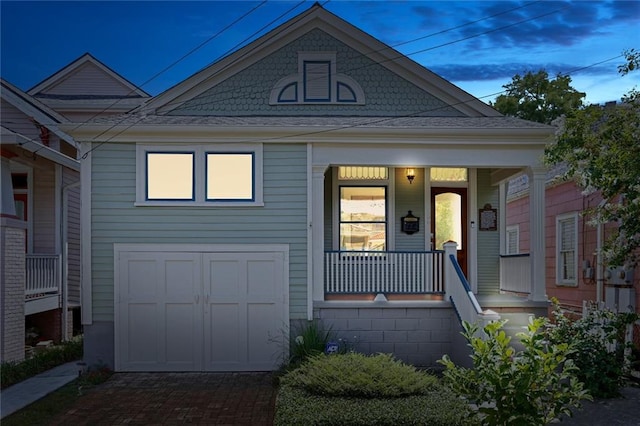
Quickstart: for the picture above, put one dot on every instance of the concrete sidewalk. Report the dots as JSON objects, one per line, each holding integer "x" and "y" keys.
{"x": 28, "y": 391}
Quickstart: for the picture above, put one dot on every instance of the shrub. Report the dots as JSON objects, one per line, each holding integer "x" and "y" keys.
{"x": 598, "y": 346}
{"x": 439, "y": 407}
{"x": 531, "y": 387}
{"x": 355, "y": 389}
{"x": 309, "y": 340}
{"x": 15, "y": 372}
{"x": 361, "y": 376}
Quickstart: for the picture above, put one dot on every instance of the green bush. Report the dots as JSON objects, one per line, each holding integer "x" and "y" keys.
{"x": 439, "y": 407}
{"x": 531, "y": 387}
{"x": 15, "y": 372}
{"x": 355, "y": 389}
{"x": 308, "y": 340}
{"x": 357, "y": 375}
{"x": 598, "y": 346}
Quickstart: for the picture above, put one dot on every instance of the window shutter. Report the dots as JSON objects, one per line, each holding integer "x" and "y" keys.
{"x": 512, "y": 241}
{"x": 567, "y": 248}
{"x": 317, "y": 81}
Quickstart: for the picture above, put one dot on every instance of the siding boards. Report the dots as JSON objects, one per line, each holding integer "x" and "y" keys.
{"x": 115, "y": 219}
{"x": 488, "y": 241}
{"x": 89, "y": 79}
{"x": 73, "y": 236}
{"x": 409, "y": 197}
{"x": 16, "y": 121}
{"x": 43, "y": 208}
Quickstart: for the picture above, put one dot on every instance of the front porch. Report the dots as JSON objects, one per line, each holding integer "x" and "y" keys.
{"x": 42, "y": 284}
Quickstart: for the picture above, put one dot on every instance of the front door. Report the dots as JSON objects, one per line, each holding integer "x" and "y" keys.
{"x": 449, "y": 219}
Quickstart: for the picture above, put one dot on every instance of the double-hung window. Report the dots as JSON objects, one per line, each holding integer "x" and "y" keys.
{"x": 203, "y": 175}
{"x": 363, "y": 215}
{"x": 363, "y": 218}
{"x": 567, "y": 249}
{"x": 512, "y": 240}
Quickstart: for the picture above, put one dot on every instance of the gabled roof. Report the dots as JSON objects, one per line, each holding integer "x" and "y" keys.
{"x": 118, "y": 86}
{"x": 319, "y": 18}
{"x": 31, "y": 107}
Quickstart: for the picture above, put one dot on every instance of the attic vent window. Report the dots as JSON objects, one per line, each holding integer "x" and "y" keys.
{"x": 317, "y": 82}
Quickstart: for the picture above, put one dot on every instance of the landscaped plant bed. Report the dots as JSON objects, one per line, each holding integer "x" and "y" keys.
{"x": 15, "y": 372}
{"x": 355, "y": 389}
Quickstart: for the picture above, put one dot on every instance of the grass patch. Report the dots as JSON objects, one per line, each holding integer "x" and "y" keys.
{"x": 56, "y": 403}
{"x": 15, "y": 372}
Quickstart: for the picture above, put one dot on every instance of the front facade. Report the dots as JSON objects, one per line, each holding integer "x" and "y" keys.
{"x": 313, "y": 174}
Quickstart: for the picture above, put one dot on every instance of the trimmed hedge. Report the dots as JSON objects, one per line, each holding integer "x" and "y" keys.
{"x": 295, "y": 406}
{"x": 355, "y": 389}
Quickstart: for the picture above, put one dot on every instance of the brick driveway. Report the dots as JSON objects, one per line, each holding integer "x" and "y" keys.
{"x": 176, "y": 398}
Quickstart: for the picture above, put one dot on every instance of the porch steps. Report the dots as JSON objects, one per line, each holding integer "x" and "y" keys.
{"x": 516, "y": 322}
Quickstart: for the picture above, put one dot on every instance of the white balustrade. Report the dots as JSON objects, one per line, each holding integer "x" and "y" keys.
{"x": 43, "y": 274}
{"x": 383, "y": 272}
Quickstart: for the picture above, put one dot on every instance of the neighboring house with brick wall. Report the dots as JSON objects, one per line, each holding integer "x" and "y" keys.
{"x": 315, "y": 173}
{"x": 40, "y": 240}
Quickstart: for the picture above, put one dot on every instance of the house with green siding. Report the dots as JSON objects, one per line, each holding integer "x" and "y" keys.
{"x": 314, "y": 174}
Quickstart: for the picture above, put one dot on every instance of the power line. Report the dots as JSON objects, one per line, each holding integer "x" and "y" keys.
{"x": 174, "y": 63}
{"x": 399, "y": 56}
{"x": 369, "y": 120}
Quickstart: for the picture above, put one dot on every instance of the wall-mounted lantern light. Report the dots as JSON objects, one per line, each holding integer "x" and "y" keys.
{"x": 411, "y": 174}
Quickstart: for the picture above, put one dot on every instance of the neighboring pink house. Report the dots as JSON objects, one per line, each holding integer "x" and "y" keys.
{"x": 575, "y": 273}
{"x": 40, "y": 210}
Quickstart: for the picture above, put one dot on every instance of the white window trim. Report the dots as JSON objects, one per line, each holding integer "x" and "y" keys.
{"x": 509, "y": 229}
{"x": 200, "y": 153}
{"x": 335, "y": 78}
{"x": 559, "y": 279}
{"x": 335, "y": 200}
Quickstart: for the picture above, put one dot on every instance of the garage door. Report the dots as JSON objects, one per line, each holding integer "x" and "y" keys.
{"x": 200, "y": 308}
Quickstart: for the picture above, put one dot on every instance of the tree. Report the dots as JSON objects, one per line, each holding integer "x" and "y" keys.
{"x": 537, "y": 98}
{"x": 601, "y": 146}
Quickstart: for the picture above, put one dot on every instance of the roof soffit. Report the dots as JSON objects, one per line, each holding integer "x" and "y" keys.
{"x": 319, "y": 18}
{"x": 31, "y": 107}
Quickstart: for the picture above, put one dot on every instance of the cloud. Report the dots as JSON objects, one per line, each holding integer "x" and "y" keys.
{"x": 487, "y": 72}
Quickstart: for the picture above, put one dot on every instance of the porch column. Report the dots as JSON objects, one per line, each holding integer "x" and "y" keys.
{"x": 537, "y": 181}
{"x": 317, "y": 230}
{"x": 7, "y": 204}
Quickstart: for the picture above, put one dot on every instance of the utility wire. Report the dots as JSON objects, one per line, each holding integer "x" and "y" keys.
{"x": 176, "y": 62}
{"x": 84, "y": 156}
{"x": 370, "y": 121}
{"x": 375, "y": 63}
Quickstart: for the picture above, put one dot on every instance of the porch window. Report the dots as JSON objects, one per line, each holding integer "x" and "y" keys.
{"x": 566, "y": 249}
{"x": 449, "y": 174}
{"x": 363, "y": 218}
{"x": 513, "y": 239}
{"x": 363, "y": 173}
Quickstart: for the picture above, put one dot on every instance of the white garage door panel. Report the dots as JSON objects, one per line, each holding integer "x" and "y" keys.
{"x": 157, "y": 324}
{"x": 181, "y": 309}
{"x": 235, "y": 284}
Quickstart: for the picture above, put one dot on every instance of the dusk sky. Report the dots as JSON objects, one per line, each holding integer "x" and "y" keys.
{"x": 477, "y": 45}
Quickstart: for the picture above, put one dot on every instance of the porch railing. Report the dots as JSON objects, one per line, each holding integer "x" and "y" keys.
{"x": 461, "y": 296}
{"x": 386, "y": 272}
{"x": 515, "y": 273}
{"x": 43, "y": 274}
